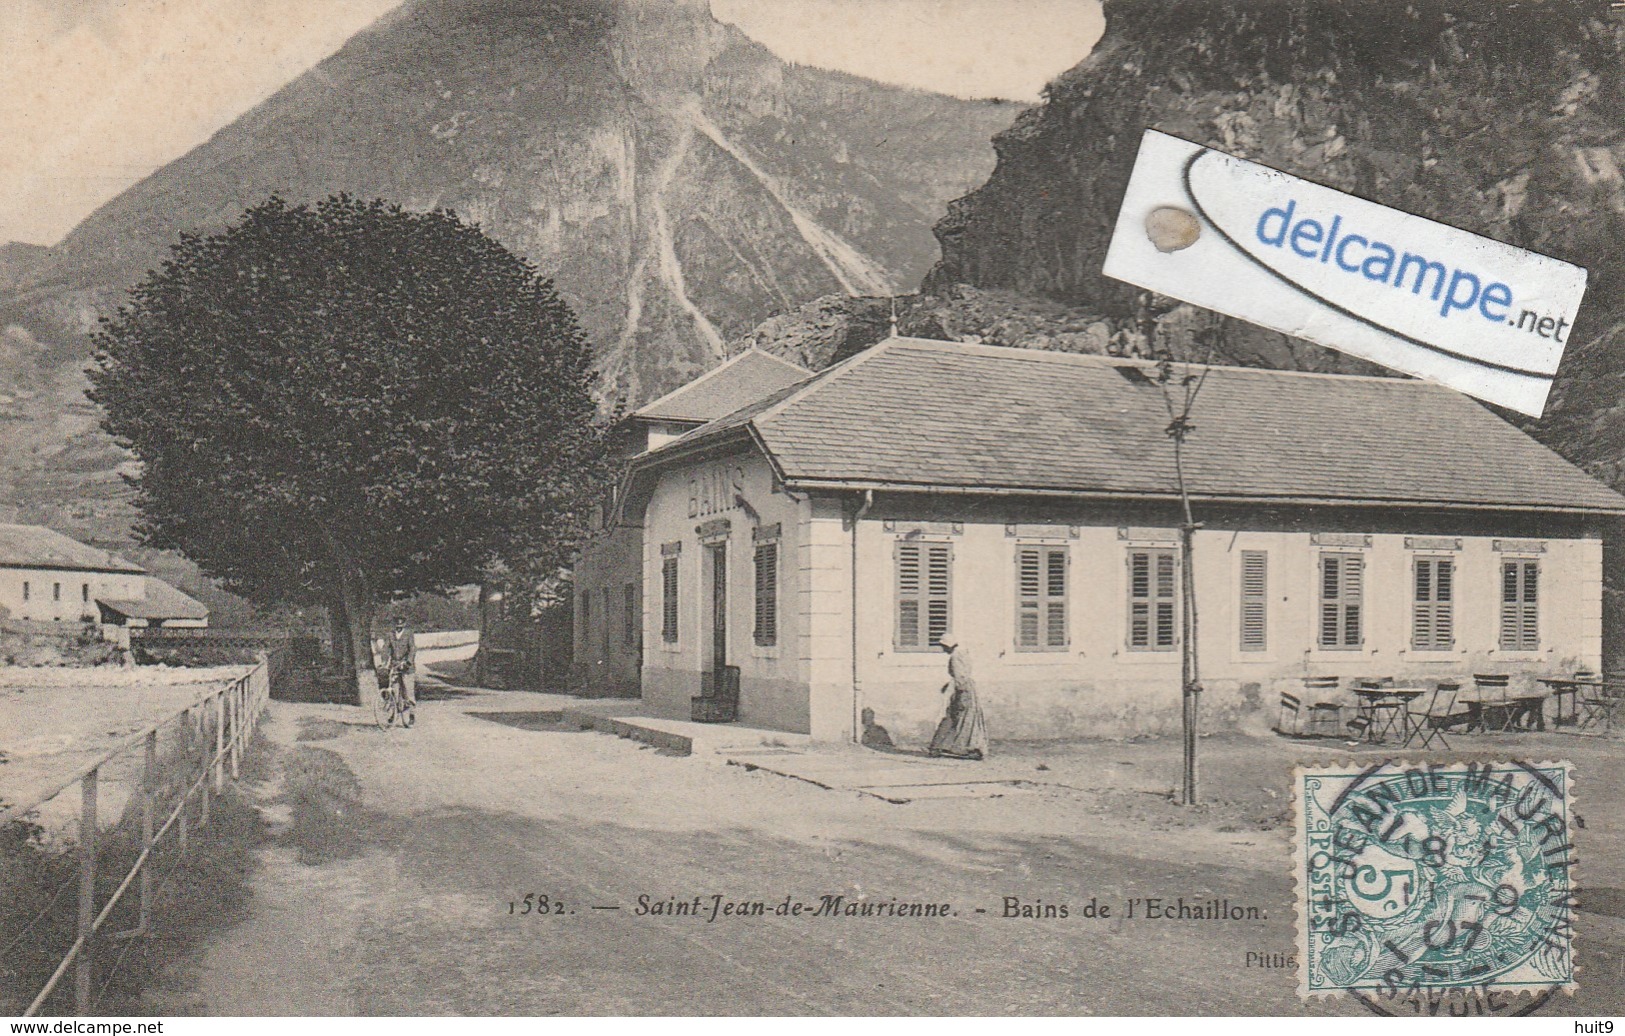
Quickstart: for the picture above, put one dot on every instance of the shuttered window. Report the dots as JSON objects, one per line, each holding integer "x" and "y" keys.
{"x": 924, "y": 586}
{"x": 668, "y": 599}
{"x": 586, "y": 623}
{"x": 631, "y": 617}
{"x": 1254, "y": 609}
{"x": 1152, "y": 584}
{"x": 1342, "y": 600}
{"x": 767, "y": 594}
{"x": 1520, "y": 614}
{"x": 1041, "y": 578}
{"x": 1433, "y": 624}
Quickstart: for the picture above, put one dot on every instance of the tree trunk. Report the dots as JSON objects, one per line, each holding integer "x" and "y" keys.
{"x": 485, "y": 635}
{"x": 358, "y": 613}
{"x": 338, "y": 632}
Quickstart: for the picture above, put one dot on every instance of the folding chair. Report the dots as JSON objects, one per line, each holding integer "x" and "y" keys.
{"x": 1430, "y": 721}
{"x": 1597, "y": 704}
{"x": 1495, "y": 708}
{"x": 1325, "y": 716}
{"x": 1291, "y": 705}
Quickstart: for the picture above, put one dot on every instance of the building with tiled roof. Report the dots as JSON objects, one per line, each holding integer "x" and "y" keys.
{"x": 48, "y": 577}
{"x": 605, "y": 620}
{"x": 808, "y": 550}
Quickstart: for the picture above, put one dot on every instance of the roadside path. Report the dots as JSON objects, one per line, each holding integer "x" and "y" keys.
{"x": 395, "y": 857}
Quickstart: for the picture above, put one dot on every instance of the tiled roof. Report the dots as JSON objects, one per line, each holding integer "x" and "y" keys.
{"x": 35, "y": 546}
{"x": 162, "y": 602}
{"x": 912, "y": 412}
{"x": 725, "y": 388}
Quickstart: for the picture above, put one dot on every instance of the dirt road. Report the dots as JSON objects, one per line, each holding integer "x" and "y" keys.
{"x": 401, "y": 861}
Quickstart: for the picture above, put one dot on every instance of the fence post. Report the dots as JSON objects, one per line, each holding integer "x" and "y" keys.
{"x": 87, "y": 888}
{"x": 149, "y": 793}
{"x": 219, "y": 741}
{"x": 236, "y": 726}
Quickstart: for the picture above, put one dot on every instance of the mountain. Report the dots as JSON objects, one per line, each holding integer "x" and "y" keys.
{"x": 1502, "y": 118}
{"x": 679, "y": 182}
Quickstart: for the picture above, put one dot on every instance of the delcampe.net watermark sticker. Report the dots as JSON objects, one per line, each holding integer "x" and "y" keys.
{"x": 1421, "y": 297}
{"x": 1420, "y": 881}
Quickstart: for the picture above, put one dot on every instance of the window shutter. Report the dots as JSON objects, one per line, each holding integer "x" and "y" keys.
{"x": 1254, "y": 600}
{"x": 767, "y": 594}
{"x": 1027, "y": 597}
{"x": 939, "y": 576}
{"x": 1153, "y": 582}
{"x": 908, "y": 595}
{"x": 668, "y": 600}
{"x": 1444, "y": 620}
{"x": 1342, "y": 578}
{"x": 1055, "y": 626}
{"x": 1530, "y": 639}
{"x": 1139, "y": 593}
{"x": 1165, "y": 599}
{"x": 1432, "y": 622}
{"x": 1520, "y": 615}
{"x": 633, "y": 621}
{"x": 1353, "y": 589}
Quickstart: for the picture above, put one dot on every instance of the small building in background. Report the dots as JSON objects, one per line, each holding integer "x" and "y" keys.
{"x": 48, "y": 577}
{"x": 608, "y": 604}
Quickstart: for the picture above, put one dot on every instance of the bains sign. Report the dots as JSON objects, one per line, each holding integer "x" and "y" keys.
{"x": 1418, "y": 296}
{"x": 715, "y": 490}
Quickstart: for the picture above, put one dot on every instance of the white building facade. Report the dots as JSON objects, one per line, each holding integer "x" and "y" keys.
{"x": 806, "y": 555}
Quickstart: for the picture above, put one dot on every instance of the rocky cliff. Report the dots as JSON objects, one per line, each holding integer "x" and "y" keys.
{"x": 1503, "y": 118}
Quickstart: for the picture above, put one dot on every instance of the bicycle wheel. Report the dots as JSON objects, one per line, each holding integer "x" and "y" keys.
{"x": 383, "y": 708}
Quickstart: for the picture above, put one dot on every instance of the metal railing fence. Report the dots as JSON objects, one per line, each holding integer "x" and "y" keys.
{"x": 228, "y": 717}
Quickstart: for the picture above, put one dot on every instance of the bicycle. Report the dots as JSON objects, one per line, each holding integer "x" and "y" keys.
{"x": 390, "y": 703}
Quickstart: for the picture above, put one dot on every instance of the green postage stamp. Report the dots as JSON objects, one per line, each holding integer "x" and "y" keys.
{"x": 1430, "y": 877}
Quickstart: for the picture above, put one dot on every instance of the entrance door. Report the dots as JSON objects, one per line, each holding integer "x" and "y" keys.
{"x": 719, "y": 606}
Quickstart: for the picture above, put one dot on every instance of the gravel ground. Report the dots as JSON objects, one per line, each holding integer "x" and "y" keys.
{"x": 401, "y": 861}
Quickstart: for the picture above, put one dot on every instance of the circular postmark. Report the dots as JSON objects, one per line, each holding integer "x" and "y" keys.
{"x": 1438, "y": 888}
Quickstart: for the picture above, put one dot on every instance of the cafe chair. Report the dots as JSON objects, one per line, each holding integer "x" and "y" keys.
{"x": 1429, "y": 721}
{"x": 1324, "y": 717}
{"x": 1495, "y": 709}
{"x": 1597, "y": 704}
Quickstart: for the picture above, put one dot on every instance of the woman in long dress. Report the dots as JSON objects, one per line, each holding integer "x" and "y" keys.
{"x": 962, "y": 734}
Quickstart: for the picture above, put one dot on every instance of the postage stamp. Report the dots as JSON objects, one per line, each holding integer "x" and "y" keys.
{"x": 1432, "y": 878}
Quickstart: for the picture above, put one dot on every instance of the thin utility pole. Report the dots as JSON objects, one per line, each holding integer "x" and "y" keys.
{"x": 1186, "y": 387}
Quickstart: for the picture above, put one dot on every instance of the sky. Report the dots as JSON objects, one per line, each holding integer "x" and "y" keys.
{"x": 96, "y": 94}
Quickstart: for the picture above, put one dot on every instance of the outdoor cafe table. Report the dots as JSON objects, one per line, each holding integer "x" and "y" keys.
{"x": 1384, "y": 708}
{"x": 1568, "y": 687}
{"x": 1504, "y": 712}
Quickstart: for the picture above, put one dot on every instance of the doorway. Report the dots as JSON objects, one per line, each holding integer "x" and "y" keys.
{"x": 718, "y": 554}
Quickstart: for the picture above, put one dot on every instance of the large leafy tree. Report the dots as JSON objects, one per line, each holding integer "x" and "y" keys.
{"x": 346, "y": 402}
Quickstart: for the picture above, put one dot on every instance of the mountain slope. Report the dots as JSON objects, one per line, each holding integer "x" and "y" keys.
{"x": 1498, "y": 117}
{"x": 679, "y": 182}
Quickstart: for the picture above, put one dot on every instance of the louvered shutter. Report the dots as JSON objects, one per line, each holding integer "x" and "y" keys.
{"x": 1353, "y": 598}
{"x": 1055, "y": 625}
{"x": 1029, "y": 601}
{"x": 1530, "y": 638}
{"x": 1041, "y": 598}
{"x": 1139, "y": 599}
{"x": 767, "y": 594}
{"x": 1432, "y": 619}
{"x": 1520, "y": 617}
{"x": 1153, "y": 585}
{"x": 1254, "y": 600}
{"x": 908, "y": 595}
{"x": 1342, "y": 579}
{"x": 1166, "y": 588}
{"x": 939, "y": 591}
{"x": 668, "y": 600}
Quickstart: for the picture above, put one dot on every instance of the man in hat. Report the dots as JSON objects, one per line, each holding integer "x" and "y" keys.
{"x": 402, "y": 652}
{"x": 962, "y": 734}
